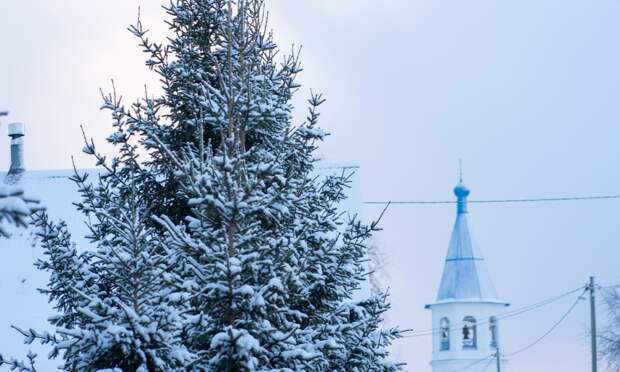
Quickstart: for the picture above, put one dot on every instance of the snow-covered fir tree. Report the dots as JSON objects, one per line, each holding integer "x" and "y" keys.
{"x": 115, "y": 306}
{"x": 15, "y": 209}
{"x": 220, "y": 249}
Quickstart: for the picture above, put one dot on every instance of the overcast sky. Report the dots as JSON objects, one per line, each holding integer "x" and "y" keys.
{"x": 525, "y": 92}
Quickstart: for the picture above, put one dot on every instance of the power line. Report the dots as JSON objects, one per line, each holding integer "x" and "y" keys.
{"x": 488, "y": 365}
{"x": 509, "y": 314}
{"x": 500, "y": 201}
{"x": 555, "y": 325}
{"x": 537, "y": 305}
{"x": 474, "y": 363}
{"x": 490, "y": 358}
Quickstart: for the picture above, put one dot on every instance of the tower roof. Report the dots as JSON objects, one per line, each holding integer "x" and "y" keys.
{"x": 465, "y": 276}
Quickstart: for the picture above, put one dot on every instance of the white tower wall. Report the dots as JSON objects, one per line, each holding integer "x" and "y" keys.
{"x": 458, "y": 357}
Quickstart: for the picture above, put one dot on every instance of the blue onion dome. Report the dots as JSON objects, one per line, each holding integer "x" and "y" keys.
{"x": 461, "y": 191}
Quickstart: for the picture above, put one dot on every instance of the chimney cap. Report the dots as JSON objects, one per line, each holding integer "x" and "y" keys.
{"x": 17, "y": 129}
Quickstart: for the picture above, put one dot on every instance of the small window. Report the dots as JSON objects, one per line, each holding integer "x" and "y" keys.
{"x": 444, "y": 329}
{"x": 493, "y": 330}
{"x": 469, "y": 333}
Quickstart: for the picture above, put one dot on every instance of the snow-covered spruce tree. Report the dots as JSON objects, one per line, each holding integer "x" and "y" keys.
{"x": 221, "y": 250}
{"x": 266, "y": 259}
{"x": 15, "y": 209}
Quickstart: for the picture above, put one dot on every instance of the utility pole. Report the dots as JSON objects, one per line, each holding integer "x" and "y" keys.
{"x": 592, "y": 288}
{"x": 499, "y": 361}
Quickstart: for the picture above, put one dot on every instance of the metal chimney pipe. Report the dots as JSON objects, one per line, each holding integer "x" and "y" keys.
{"x": 17, "y": 132}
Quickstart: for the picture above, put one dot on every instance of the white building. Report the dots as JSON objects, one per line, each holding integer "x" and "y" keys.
{"x": 466, "y": 312}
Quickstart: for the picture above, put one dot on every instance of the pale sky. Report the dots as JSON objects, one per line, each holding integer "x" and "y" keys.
{"x": 525, "y": 92}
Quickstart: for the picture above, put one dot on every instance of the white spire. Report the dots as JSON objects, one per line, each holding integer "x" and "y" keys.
{"x": 465, "y": 275}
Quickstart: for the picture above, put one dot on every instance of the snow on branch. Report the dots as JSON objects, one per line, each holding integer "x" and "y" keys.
{"x": 15, "y": 208}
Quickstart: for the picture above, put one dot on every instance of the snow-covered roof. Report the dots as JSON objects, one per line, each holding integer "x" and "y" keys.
{"x": 465, "y": 276}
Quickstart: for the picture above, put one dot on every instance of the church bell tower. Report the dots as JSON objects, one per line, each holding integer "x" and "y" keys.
{"x": 465, "y": 314}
